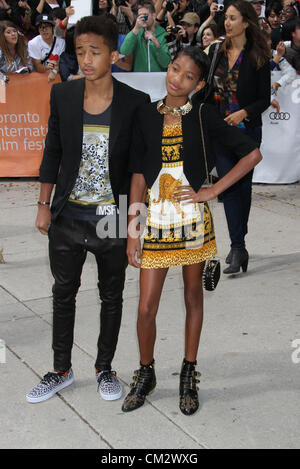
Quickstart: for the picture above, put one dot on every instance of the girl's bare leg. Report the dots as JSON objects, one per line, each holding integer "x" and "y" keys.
{"x": 151, "y": 285}
{"x": 193, "y": 296}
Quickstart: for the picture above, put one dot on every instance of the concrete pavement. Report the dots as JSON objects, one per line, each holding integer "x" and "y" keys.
{"x": 248, "y": 355}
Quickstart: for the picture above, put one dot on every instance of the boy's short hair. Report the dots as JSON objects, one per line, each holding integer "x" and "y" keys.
{"x": 59, "y": 13}
{"x": 100, "y": 25}
{"x": 289, "y": 27}
{"x": 147, "y": 4}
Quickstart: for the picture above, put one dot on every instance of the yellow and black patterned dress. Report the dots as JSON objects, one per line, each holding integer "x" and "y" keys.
{"x": 175, "y": 234}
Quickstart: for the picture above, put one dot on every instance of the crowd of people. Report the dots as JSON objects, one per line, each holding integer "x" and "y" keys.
{"x": 37, "y": 35}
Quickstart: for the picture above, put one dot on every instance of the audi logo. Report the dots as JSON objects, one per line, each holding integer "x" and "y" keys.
{"x": 281, "y": 116}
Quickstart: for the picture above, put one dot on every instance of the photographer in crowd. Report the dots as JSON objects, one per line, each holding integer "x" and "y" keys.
{"x": 125, "y": 13}
{"x": 184, "y": 34}
{"x": 175, "y": 8}
{"x": 147, "y": 42}
{"x": 216, "y": 21}
{"x": 45, "y": 7}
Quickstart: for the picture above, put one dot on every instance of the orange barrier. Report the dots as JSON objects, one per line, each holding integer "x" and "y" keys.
{"x": 23, "y": 124}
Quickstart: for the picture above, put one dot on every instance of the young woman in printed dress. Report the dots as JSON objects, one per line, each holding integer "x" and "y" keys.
{"x": 169, "y": 169}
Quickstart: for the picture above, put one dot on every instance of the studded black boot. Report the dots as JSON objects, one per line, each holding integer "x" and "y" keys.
{"x": 144, "y": 382}
{"x": 188, "y": 390}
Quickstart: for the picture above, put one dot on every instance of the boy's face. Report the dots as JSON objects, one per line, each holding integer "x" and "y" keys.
{"x": 94, "y": 56}
{"x": 190, "y": 29}
{"x": 296, "y": 36}
{"x": 46, "y": 31}
{"x": 183, "y": 77}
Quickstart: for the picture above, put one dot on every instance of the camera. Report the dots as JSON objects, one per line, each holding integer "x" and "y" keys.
{"x": 146, "y": 17}
{"x": 174, "y": 30}
{"x": 220, "y": 5}
{"x": 170, "y": 4}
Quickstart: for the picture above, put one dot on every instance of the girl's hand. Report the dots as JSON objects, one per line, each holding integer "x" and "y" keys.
{"x": 49, "y": 66}
{"x": 187, "y": 195}
{"x": 236, "y": 118}
{"x": 213, "y": 9}
{"x": 175, "y": 8}
{"x": 133, "y": 252}
{"x": 280, "y": 49}
{"x": 51, "y": 76}
{"x": 275, "y": 104}
{"x": 70, "y": 11}
{"x": 275, "y": 86}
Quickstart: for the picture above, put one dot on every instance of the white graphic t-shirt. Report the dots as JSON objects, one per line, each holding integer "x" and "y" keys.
{"x": 39, "y": 49}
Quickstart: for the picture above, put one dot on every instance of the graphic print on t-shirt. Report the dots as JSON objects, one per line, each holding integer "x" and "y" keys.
{"x": 93, "y": 182}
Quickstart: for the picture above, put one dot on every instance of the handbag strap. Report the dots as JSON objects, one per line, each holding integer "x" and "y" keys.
{"x": 209, "y": 179}
{"x": 213, "y": 63}
{"x": 203, "y": 143}
{"x": 49, "y": 53}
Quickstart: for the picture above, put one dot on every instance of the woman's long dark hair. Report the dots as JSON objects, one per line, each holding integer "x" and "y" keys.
{"x": 213, "y": 27}
{"x": 21, "y": 46}
{"x": 256, "y": 43}
{"x": 96, "y": 10}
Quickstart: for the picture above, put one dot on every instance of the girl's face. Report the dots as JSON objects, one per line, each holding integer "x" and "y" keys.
{"x": 11, "y": 36}
{"x": 287, "y": 13}
{"x": 183, "y": 5}
{"x": 183, "y": 77}
{"x": 273, "y": 20}
{"x": 103, "y": 4}
{"x": 235, "y": 25}
{"x": 207, "y": 37}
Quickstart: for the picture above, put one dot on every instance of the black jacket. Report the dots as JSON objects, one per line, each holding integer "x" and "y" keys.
{"x": 146, "y": 153}
{"x": 253, "y": 90}
{"x": 63, "y": 146}
{"x": 68, "y": 65}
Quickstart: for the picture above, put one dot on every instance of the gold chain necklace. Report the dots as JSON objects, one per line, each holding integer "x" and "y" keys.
{"x": 176, "y": 111}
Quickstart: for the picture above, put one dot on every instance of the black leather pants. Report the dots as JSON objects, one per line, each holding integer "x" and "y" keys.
{"x": 69, "y": 241}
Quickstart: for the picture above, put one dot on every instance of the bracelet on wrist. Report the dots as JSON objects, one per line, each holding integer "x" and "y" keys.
{"x": 43, "y": 203}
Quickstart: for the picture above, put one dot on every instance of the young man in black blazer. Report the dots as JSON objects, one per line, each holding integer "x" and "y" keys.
{"x": 86, "y": 156}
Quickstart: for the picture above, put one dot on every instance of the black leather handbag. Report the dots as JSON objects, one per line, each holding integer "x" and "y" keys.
{"x": 212, "y": 269}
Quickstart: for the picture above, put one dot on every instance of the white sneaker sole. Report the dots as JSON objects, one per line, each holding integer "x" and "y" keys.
{"x": 112, "y": 397}
{"x": 35, "y": 400}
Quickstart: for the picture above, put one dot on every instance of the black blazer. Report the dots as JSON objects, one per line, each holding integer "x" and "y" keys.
{"x": 63, "y": 146}
{"x": 146, "y": 152}
{"x": 253, "y": 90}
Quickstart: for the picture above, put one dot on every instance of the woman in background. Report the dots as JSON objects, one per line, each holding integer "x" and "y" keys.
{"x": 241, "y": 93}
{"x": 13, "y": 51}
{"x": 208, "y": 36}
